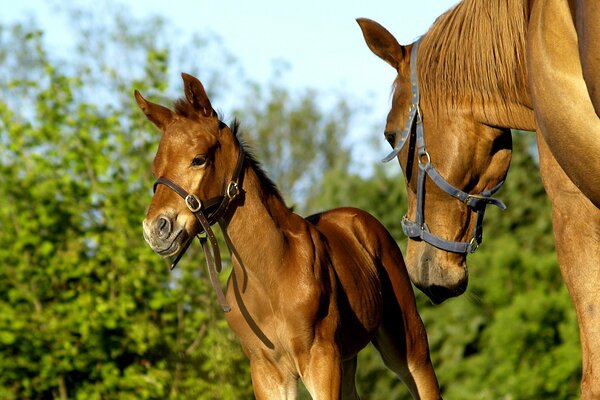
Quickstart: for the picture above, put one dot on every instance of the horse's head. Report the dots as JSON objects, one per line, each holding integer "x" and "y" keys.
{"x": 196, "y": 158}
{"x": 452, "y": 164}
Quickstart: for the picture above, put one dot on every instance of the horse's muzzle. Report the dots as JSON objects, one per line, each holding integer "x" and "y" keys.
{"x": 164, "y": 235}
{"x": 438, "y": 274}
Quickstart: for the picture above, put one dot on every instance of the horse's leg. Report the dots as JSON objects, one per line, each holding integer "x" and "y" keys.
{"x": 349, "y": 379}
{"x": 561, "y": 99}
{"x": 587, "y": 22}
{"x": 322, "y": 376}
{"x": 576, "y": 224}
{"x": 401, "y": 339}
{"x": 270, "y": 382}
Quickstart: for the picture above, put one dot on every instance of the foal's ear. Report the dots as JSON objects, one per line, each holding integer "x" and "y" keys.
{"x": 382, "y": 42}
{"x": 159, "y": 115}
{"x": 196, "y": 95}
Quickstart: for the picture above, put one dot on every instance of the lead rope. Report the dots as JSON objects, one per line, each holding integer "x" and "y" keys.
{"x": 213, "y": 259}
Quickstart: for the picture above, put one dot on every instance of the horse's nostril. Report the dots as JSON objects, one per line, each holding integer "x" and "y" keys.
{"x": 163, "y": 227}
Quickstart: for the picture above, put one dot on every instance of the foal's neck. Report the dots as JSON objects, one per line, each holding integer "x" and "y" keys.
{"x": 258, "y": 224}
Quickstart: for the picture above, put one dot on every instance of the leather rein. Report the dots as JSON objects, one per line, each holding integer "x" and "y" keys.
{"x": 418, "y": 229}
{"x": 207, "y": 214}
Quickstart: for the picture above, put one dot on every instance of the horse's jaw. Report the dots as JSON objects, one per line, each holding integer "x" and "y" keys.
{"x": 437, "y": 273}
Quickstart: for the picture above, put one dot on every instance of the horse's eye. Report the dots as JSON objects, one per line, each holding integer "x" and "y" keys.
{"x": 199, "y": 161}
{"x": 390, "y": 136}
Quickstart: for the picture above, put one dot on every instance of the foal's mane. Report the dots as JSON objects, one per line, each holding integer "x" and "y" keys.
{"x": 185, "y": 109}
{"x": 475, "y": 52}
{"x": 266, "y": 183}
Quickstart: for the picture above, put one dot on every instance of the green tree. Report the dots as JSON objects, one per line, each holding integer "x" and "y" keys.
{"x": 295, "y": 137}
{"x": 87, "y": 310}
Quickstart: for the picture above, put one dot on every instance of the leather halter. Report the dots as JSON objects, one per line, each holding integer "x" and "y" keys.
{"x": 215, "y": 209}
{"x": 418, "y": 229}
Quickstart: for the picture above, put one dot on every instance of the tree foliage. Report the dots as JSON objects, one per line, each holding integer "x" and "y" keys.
{"x": 88, "y": 311}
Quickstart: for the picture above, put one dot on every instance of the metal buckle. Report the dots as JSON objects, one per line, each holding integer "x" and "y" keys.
{"x": 232, "y": 190}
{"x": 193, "y": 207}
{"x": 472, "y": 199}
{"x": 473, "y": 245}
{"x": 427, "y": 159}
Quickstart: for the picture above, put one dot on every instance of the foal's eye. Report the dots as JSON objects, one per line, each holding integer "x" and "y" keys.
{"x": 199, "y": 161}
{"x": 390, "y": 136}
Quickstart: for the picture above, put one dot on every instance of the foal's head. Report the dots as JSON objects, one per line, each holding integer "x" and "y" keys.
{"x": 468, "y": 152}
{"x": 198, "y": 153}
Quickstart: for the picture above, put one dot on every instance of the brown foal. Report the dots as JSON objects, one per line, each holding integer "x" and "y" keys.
{"x": 305, "y": 295}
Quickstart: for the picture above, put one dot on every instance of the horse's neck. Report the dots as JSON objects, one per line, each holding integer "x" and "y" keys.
{"x": 258, "y": 226}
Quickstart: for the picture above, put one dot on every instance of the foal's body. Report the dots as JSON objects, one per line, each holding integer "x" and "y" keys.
{"x": 305, "y": 295}
{"x": 336, "y": 282}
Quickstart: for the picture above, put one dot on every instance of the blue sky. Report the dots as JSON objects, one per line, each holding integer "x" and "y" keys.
{"x": 318, "y": 39}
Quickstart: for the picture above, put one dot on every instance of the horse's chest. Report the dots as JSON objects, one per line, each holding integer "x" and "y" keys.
{"x": 266, "y": 318}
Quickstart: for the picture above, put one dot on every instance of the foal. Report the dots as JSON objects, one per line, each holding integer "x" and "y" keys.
{"x": 305, "y": 295}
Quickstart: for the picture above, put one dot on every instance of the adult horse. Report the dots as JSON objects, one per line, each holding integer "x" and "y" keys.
{"x": 304, "y": 295}
{"x": 485, "y": 67}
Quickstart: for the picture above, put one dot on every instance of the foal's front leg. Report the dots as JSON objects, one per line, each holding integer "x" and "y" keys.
{"x": 322, "y": 376}
{"x": 272, "y": 382}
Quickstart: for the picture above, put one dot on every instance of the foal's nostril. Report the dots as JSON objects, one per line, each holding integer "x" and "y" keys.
{"x": 163, "y": 227}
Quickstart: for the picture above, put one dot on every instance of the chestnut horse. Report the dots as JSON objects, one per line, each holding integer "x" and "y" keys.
{"x": 304, "y": 295}
{"x": 483, "y": 68}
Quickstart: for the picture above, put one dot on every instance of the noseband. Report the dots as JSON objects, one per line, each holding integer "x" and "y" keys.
{"x": 418, "y": 229}
{"x": 207, "y": 214}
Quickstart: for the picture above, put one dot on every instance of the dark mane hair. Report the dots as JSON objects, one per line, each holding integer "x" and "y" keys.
{"x": 267, "y": 184}
{"x": 476, "y": 52}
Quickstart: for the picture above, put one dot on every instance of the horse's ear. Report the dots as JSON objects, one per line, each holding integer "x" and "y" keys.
{"x": 159, "y": 115}
{"x": 196, "y": 95}
{"x": 382, "y": 42}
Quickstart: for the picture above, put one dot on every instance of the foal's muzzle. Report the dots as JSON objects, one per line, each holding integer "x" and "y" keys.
{"x": 164, "y": 235}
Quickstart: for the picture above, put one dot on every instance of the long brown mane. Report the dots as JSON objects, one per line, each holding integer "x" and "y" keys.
{"x": 474, "y": 53}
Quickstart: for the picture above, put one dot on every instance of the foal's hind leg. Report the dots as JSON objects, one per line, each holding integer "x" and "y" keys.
{"x": 401, "y": 339}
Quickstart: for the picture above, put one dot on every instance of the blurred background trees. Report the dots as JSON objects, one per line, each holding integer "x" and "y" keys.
{"x": 87, "y": 311}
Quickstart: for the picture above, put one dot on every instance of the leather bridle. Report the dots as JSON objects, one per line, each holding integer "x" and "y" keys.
{"x": 418, "y": 229}
{"x": 208, "y": 213}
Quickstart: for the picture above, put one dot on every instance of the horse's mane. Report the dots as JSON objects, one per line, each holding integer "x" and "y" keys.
{"x": 267, "y": 184}
{"x": 475, "y": 52}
